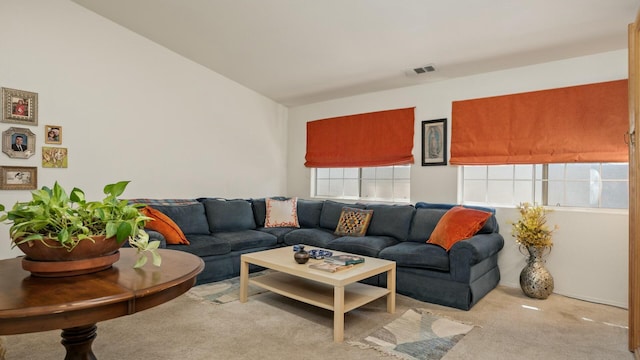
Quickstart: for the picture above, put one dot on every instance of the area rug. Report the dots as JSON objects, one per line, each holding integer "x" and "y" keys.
{"x": 224, "y": 291}
{"x": 416, "y": 335}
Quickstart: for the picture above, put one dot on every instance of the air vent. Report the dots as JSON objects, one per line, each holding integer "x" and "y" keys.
{"x": 424, "y": 69}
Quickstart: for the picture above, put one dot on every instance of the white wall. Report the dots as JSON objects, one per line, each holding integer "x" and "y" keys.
{"x": 133, "y": 110}
{"x": 589, "y": 259}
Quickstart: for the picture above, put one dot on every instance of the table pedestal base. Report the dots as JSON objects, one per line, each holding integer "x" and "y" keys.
{"x": 78, "y": 340}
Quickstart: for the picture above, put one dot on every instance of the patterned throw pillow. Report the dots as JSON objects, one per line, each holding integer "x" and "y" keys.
{"x": 353, "y": 222}
{"x": 282, "y": 213}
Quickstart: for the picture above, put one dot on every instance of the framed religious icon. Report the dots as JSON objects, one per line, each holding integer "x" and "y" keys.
{"x": 52, "y": 134}
{"x": 18, "y": 178}
{"x": 18, "y": 143}
{"x": 19, "y": 107}
{"x": 434, "y": 142}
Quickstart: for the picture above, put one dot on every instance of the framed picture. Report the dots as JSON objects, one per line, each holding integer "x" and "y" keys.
{"x": 52, "y": 134}
{"x": 54, "y": 157}
{"x": 18, "y": 143}
{"x": 19, "y": 107}
{"x": 434, "y": 142}
{"x": 18, "y": 178}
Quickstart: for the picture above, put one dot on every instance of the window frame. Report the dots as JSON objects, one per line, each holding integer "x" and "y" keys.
{"x": 539, "y": 182}
{"x": 360, "y": 179}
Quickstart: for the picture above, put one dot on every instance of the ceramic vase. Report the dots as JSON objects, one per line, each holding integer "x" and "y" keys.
{"x": 301, "y": 256}
{"x": 535, "y": 280}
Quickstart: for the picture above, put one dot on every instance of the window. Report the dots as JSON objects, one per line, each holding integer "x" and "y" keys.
{"x": 384, "y": 183}
{"x": 587, "y": 185}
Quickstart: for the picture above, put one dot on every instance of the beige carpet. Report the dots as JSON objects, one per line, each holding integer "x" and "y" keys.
{"x": 268, "y": 326}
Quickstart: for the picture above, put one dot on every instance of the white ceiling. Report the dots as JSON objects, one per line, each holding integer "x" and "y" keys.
{"x": 303, "y": 51}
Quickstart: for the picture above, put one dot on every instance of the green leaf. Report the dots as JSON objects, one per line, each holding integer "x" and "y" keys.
{"x": 157, "y": 260}
{"x": 63, "y": 236}
{"x": 31, "y": 237}
{"x": 111, "y": 229}
{"x": 58, "y": 193}
{"x": 116, "y": 189}
{"x": 124, "y": 231}
{"x": 77, "y": 195}
{"x": 153, "y": 245}
{"x": 142, "y": 259}
{"x": 100, "y": 214}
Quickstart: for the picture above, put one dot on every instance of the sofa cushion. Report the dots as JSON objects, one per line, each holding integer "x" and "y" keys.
{"x": 353, "y": 222}
{"x": 490, "y": 226}
{"x": 313, "y": 237}
{"x": 231, "y": 215}
{"x": 417, "y": 255}
{"x": 203, "y": 245}
{"x": 330, "y": 214}
{"x": 390, "y": 220}
{"x": 457, "y": 224}
{"x": 423, "y": 222}
{"x": 309, "y": 213}
{"x": 164, "y": 225}
{"x": 281, "y": 213}
{"x": 190, "y": 217}
{"x": 365, "y": 245}
{"x": 278, "y": 232}
{"x": 247, "y": 239}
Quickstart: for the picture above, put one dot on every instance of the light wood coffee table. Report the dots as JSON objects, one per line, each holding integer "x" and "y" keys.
{"x": 339, "y": 292}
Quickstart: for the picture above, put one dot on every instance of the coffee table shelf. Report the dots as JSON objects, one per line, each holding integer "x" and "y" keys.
{"x": 318, "y": 294}
{"x": 339, "y": 292}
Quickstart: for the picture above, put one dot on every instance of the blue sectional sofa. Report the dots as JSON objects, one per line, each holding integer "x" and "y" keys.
{"x": 220, "y": 230}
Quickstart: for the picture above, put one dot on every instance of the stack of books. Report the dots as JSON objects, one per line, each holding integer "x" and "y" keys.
{"x": 337, "y": 262}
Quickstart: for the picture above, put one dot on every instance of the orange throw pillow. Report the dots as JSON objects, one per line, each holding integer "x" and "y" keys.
{"x": 457, "y": 224}
{"x": 165, "y": 226}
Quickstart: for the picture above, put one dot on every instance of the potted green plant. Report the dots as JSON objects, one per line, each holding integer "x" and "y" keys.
{"x": 62, "y": 227}
{"x": 533, "y": 234}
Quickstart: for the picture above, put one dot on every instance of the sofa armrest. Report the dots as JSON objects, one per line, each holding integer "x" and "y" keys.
{"x": 154, "y": 235}
{"x": 466, "y": 253}
{"x": 480, "y": 246}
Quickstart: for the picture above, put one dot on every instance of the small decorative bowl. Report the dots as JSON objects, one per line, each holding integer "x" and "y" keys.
{"x": 319, "y": 254}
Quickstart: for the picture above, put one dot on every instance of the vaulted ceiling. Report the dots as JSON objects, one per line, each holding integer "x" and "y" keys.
{"x": 303, "y": 51}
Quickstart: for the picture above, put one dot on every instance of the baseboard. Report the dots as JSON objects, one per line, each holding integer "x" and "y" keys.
{"x": 578, "y": 297}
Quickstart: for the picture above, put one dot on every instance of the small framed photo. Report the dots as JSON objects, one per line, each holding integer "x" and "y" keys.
{"x": 52, "y": 134}
{"x": 18, "y": 178}
{"x": 18, "y": 143}
{"x": 54, "y": 157}
{"x": 19, "y": 107}
{"x": 434, "y": 142}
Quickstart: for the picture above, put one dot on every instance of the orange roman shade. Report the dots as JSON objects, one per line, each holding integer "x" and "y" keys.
{"x": 585, "y": 123}
{"x": 381, "y": 138}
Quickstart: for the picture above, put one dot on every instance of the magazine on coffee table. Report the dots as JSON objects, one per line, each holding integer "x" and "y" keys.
{"x": 344, "y": 259}
{"x": 329, "y": 267}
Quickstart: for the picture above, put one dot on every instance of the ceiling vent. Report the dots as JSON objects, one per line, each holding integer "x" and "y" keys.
{"x": 425, "y": 69}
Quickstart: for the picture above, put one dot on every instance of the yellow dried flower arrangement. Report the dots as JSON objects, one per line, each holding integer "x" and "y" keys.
{"x": 532, "y": 229}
